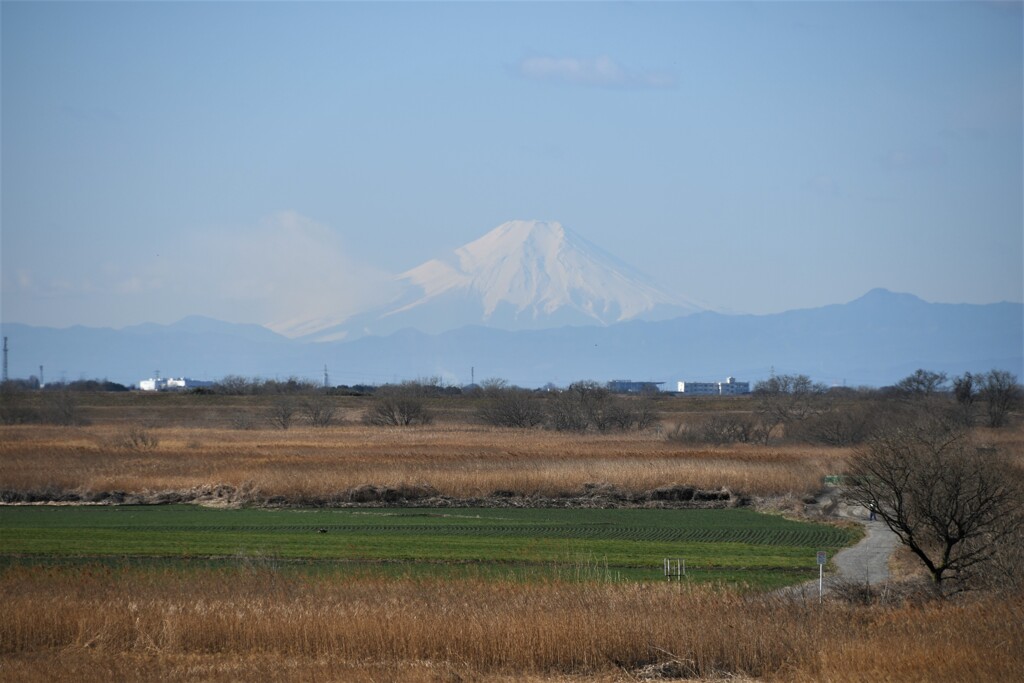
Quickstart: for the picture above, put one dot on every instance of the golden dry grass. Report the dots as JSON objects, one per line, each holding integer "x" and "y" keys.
{"x": 457, "y": 460}
{"x": 93, "y": 623}
{"x": 100, "y": 624}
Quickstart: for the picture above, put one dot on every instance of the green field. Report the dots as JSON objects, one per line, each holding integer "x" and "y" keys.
{"x": 718, "y": 545}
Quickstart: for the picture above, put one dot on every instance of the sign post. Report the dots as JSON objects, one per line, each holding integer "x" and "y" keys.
{"x": 822, "y": 559}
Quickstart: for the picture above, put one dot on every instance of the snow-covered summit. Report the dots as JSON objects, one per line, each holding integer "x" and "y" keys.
{"x": 523, "y": 274}
{"x": 538, "y": 268}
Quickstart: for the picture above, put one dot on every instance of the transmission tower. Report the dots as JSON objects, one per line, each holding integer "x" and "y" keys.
{"x": 5, "y": 360}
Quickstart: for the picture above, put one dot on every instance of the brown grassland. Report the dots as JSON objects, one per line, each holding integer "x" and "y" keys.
{"x": 197, "y": 447}
{"x": 457, "y": 460}
{"x": 91, "y": 622}
{"x": 99, "y": 624}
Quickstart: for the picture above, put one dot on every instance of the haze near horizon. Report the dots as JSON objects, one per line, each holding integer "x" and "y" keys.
{"x": 275, "y": 162}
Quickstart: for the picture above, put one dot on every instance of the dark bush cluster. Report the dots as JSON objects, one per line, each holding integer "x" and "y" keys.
{"x": 316, "y": 409}
{"x": 796, "y": 409}
{"x": 237, "y": 385}
{"x": 720, "y": 430}
{"x": 581, "y": 407}
{"x": 504, "y": 406}
{"x": 56, "y": 406}
{"x": 401, "y": 405}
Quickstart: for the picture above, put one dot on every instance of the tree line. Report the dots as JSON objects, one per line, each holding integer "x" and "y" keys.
{"x": 795, "y": 408}
{"x": 784, "y": 407}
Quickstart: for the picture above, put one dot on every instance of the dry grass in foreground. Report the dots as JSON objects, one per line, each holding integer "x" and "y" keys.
{"x": 461, "y": 461}
{"x": 100, "y": 624}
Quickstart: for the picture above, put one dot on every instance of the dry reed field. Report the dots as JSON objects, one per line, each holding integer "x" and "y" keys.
{"x": 146, "y": 443}
{"x": 457, "y": 460}
{"x": 94, "y": 623}
{"x": 90, "y": 622}
{"x": 189, "y": 442}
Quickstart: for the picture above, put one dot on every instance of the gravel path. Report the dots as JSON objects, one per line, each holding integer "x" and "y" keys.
{"x": 867, "y": 562}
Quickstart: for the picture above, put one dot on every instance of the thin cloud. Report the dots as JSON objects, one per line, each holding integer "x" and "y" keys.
{"x": 600, "y": 72}
{"x": 290, "y": 270}
{"x": 287, "y": 272}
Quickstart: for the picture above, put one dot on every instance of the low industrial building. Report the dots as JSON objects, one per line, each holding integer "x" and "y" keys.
{"x": 730, "y": 387}
{"x": 628, "y": 386}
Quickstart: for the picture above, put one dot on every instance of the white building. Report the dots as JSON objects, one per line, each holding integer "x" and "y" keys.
{"x": 171, "y": 384}
{"x": 698, "y": 388}
{"x": 730, "y": 387}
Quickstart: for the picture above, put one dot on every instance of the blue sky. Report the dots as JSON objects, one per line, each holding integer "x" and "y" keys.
{"x": 258, "y": 162}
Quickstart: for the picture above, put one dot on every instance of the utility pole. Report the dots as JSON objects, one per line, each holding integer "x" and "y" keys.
{"x": 5, "y": 360}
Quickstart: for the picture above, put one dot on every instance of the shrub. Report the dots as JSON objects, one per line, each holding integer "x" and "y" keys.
{"x": 1001, "y": 393}
{"x": 848, "y": 426}
{"x": 16, "y": 406}
{"x": 398, "y": 407}
{"x": 721, "y": 429}
{"x": 588, "y": 405}
{"x": 243, "y": 420}
{"x": 136, "y": 438}
{"x": 318, "y": 410}
{"x": 281, "y": 412}
{"x": 511, "y": 407}
{"x": 61, "y": 408}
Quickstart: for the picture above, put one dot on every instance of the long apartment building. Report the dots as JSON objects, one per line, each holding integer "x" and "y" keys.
{"x": 730, "y": 387}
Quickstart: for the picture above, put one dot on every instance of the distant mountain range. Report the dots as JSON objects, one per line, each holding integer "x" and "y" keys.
{"x": 874, "y": 340}
{"x": 520, "y": 275}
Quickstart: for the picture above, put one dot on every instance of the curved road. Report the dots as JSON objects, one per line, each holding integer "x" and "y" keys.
{"x": 865, "y": 563}
{"x": 868, "y": 561}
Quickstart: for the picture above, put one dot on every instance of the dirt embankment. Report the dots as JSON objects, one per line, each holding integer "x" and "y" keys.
{"x": 591, "y": 496}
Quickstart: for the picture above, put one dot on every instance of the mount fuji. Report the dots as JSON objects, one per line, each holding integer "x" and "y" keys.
{"x": 521, "y": 275}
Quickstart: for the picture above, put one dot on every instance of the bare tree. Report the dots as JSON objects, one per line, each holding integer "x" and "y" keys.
{"x": 922, "y": 384}
{"x": 582, "y": 406}
{"x": 398, "y": 406}
{"x": 784, "y": 399}
{"x": 292, "y": 385}
{"x": 587, "y": 405}
{"x": 949, "y": 502}
{"x": 235, "y": 385}
{"x": 281, "y": 411}
{"x": 848, "y": 424}
{"x": 719, "y": 429}
{"x": 318, "y": 410}
{"x": 645, "y": 414}
{"x": 505, "y": 406}
{"x": 61, "y": 407}
{"x": 965, "y": 392}
{"x": 1001, "y": 393}
{"x": 16, "y": 405}
{"x": 633, "y": 413}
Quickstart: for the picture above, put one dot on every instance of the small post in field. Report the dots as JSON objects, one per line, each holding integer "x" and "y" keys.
{"x": 822, "y": 559}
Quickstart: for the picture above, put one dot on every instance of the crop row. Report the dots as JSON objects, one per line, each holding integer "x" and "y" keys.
{"x": 820, "y": 536}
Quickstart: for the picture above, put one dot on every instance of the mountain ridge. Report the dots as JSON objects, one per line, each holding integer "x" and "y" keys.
{"x": 873, "y": 340}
